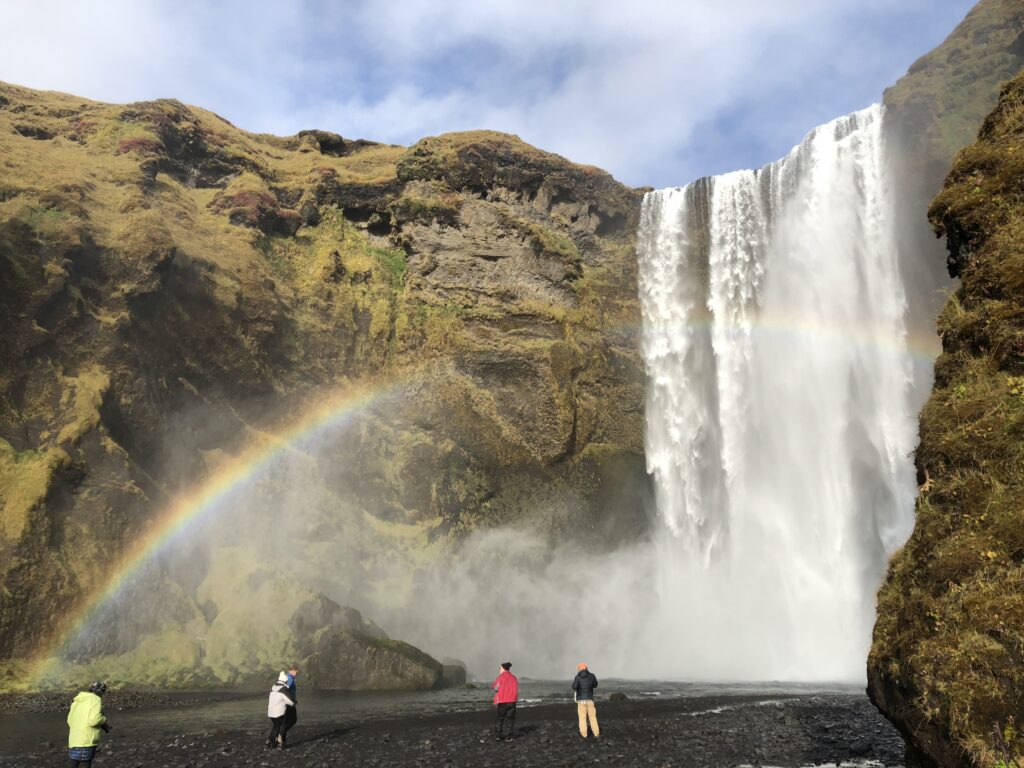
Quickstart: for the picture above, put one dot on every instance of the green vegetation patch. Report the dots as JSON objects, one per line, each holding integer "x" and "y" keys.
{"x": 24, "y": 482}
{"x": 392, "y": 262}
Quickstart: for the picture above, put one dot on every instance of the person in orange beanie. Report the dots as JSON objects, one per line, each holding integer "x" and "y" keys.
{"x": 583, "y": 685}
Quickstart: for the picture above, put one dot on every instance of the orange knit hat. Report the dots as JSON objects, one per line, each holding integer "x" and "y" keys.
{"x": 581, "y": 665}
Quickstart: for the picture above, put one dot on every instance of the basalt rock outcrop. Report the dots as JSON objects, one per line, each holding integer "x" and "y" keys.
{"x": 947, "y": 662}
{"x": 172, "y": 288}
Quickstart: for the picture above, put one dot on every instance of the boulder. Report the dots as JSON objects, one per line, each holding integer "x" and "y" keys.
{"x": 453, "y": 673}
{"x": 351, "y": 661}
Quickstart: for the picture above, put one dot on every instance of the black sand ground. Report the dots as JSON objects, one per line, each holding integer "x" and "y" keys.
{"x": 702, "y": 731}
{"x": 113, "y": 701}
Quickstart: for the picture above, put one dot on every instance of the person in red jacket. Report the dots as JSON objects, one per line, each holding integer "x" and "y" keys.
{"x": 506, "y": 694}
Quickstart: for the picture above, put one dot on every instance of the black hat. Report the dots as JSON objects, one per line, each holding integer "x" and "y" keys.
{"x": 99, "y": 687}
{"x": 507, "y": 666}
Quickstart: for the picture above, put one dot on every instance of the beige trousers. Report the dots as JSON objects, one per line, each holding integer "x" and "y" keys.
{"x": 586, "y": 709}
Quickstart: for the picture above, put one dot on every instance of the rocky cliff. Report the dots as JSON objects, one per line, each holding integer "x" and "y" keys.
{"x": 931, "y": 113}
{"x": 947, "y": 663}
{"x": 173, "y": 288}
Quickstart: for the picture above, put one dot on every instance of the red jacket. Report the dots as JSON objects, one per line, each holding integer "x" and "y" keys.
{"x": 506, "y": 688}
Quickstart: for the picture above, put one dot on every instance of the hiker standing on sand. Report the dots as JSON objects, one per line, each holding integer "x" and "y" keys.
{"x": 584, "y": 684}
{"x": 85, "y": 721}
{"x": 281, "y": 711}
{"x": 506, "y": 694}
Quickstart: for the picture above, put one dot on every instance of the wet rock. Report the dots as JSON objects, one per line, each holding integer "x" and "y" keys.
{"x": 354, "y": 662}
{"x": 453, "y": 673}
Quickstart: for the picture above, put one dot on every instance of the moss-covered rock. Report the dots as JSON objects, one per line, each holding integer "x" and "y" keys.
{"x": 351, "y": 661}
{"x": 173, "y": 288}
{"x": 947, "y": 662}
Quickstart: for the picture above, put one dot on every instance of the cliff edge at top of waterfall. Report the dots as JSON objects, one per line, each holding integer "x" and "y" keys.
{"x": 947, "y": 663}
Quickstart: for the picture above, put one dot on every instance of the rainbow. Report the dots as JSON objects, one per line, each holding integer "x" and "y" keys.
{"x": 209, "y": 497}
{"x": 241, "y": 471}
{"x": 922, "y": 347}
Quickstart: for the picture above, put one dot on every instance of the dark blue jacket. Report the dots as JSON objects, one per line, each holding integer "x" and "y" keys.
{"x": 291, "y": 685}
{"x": 584, "y": 685}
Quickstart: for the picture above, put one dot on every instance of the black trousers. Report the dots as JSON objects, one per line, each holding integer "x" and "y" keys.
{"x": 506, "y": 719}
{"x": 281, "y": 725}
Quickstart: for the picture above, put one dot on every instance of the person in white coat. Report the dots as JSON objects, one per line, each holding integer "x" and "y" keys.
{"x": 277, "y": 710}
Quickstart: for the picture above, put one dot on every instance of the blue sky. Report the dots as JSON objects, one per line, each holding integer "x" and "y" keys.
{"x": 658, "y": 93}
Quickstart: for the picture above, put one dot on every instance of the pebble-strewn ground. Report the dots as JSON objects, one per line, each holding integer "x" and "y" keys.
{"x": 703, "y": 731}
{"x": 113, "y": 701}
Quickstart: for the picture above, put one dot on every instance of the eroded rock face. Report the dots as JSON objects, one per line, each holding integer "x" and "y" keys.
{"x": 171, "y": 286}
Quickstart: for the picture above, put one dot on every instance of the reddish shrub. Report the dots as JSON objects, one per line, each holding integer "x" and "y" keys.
{"x": 259, "y": 210}
{"x": 247, "y": 217}
{"x": 214, "y": 138}
{"x": 82, "y": 128}
{"x": 246, "y": 199}
{"x": 140, "y": 144}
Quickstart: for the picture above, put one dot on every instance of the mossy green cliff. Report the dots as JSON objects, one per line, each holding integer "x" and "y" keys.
{"x": 947, "y": 663}
{"x": 173, "y": 288}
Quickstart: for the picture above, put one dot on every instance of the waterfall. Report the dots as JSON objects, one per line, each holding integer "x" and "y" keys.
{"x": 780, "y": 407}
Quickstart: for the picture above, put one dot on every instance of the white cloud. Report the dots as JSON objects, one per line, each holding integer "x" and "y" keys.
{"x": 621, "y": 85}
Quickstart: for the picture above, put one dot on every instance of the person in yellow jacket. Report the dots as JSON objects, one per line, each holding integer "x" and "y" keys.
{"x": 85, "y": 721}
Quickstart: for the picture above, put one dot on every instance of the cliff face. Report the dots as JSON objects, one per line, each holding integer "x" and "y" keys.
{"x": 931, "y": 113}
{"x": 934, "y": 110}
{"x": 172, "y": 287}
{"x": 947, "y": 663}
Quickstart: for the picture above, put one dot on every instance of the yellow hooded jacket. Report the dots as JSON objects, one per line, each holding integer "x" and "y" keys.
{"x": 85, "y": 719}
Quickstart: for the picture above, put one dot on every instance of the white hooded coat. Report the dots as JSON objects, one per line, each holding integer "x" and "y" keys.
{"x": 280, "y": 697}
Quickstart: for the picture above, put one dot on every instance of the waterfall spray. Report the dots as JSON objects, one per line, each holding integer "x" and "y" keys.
{"x": 780, "y": 417}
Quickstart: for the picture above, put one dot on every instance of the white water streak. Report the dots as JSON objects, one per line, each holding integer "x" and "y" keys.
{"x": 779, "y": 416}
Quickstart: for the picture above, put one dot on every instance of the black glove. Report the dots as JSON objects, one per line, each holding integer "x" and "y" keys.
{"x": 105, "y": 727}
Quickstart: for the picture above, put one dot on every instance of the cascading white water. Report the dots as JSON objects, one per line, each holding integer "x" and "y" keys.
{"x": 780, "y": 412}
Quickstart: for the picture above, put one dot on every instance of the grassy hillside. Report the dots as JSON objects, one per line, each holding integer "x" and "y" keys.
{"x": 935, "y": 108}
{"x": 173, "y": 288}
